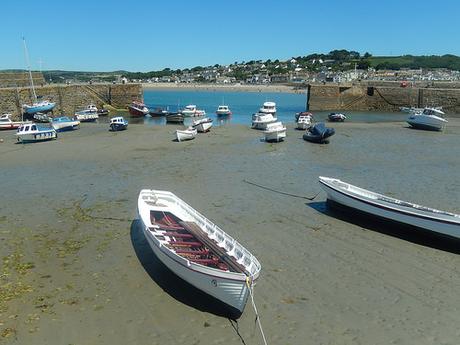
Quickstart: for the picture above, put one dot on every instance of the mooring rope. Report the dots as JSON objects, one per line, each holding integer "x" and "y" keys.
{"x": 250, "y": 285}
{"x": 281, "y": 192}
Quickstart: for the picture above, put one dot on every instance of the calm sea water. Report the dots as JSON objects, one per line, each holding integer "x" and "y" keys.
{"x": 244, "y": 104}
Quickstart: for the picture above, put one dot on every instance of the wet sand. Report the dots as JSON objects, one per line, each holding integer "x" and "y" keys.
{"x": 77, "y": 270}
{"x": 222, "y": 87}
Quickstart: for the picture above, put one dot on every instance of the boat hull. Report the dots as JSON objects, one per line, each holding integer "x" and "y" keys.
{"x": 275, "y": 136}
{"x": 185, "y": 135}
{"x": 429, "y": 123}
{"x": 66, "y": 126}
{"x": 39, "y": 109}
{"x": 386, "y": 212}
{"x": 115, "y": 127}
{"x": 175, "y": 118}
{"x": 135, "y": 112}
{"x": 34, "y": 137}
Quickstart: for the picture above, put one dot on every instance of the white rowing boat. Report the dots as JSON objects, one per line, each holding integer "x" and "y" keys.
{"x": 382, "y": 206}
{"x": 186, "y": 134}
{"x": 197, "y": 250}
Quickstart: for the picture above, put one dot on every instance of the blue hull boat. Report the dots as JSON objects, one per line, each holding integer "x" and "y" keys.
{"x": 319, "y": 133}
{"x": 42, "y": 107}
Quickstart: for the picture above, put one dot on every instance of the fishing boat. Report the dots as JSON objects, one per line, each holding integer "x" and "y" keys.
{"x": 34, "y": 132}
{"x": 268, "y": 108}
{"x": 318, "y": 133}
{"x": 337, "y": 117}
{"x": 429, "y": 119}
{"x": 202, "y": 125}
{"x": 223, "y": 110}
{"x": 90, "y": 114}
{"x": 175, "y": 117}
{"x": 275, "y": 132}
{"x": 186, "y": 134}
{"x": 65, "y": 123}
{"x": 137, "y": 109}
{"x": 378, "y": 205}
{"x": 42, "y": 106}
{"x": 118, "y": 124}
{"x": 261, "y": 120}
{"x": 7, "y": 123}
{"x": 304, "y": 120}
{"x": 158, "y": 112}
{"x": 197, "y": 250}
{"x": 191, "y": 110}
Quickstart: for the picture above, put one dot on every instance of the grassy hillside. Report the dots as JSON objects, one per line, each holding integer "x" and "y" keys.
{"x": 451, "y": 62}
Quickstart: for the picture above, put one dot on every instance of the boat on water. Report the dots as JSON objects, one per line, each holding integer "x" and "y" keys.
{"x": 318, "y": 133}
{"x": 261, "y": 120}
{"x": 268, "y": 108}
{"x": 90, "y": 114}
{"x": 431, "y": 119}
{"x": 34, "y": 132}
{"x": 304, "y": 120}
{"x": 223, "y": 110}
{"x": 158, "y": 112}
{"x": 191, "y": 110}
{"x": 275, "y": 132}
{"x": 197, "y": 250}
{"x": 137, "y": 109}
{"x": 186, "y": 134}
{"x": 202, "y": 125}
{"x": 118, "y": 124}
{"x": 175, "y": 117}
{"x": 42, "y": 106}
{"x": 6, "y": 122}
{"x": 392, "y": 209}
{"x": 65, "y": 123}
{"x": 337, "y": 117}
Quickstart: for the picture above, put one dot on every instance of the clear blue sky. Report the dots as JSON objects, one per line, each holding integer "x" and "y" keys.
{"x": 103, "y": 35}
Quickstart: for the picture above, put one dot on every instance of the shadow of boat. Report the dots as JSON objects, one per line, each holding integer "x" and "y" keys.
{"x": 172, "y": 284}
{"x": 388, "y": 227}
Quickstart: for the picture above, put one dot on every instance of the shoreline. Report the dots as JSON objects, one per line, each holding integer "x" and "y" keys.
{"x": 221, "y": 87}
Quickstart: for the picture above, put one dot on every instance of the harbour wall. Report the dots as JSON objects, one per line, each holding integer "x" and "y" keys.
{"x": 70, "y": 98}
{"x": 380, "y": 97}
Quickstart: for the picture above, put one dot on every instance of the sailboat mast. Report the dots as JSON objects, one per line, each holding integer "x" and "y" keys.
{"x": 30, "y": 72}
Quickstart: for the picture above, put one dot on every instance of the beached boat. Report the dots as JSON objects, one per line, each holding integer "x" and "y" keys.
{"x": 388, "y": 208}
{"x": 65, "y": 123}
{"x": 197, "y": 250}
{"x": 137, "y": 109}
{"x": 191, "y": 110}
{"x": 223, "y": 110}
{"x": 103, "y": 112}
{"x": 261, "y": 120}
{"x": 158, "y": 112}
{"x": 275, "y": 132}
{"x": 34, "y": 132}
{"x": 118, "y": 124}
{"x": 268, "y": 108}
{"x": 44, "y": 118}
{"x": 175, "y": 117}
{"x": 318, "y": 133}
{"x": 429, "y": 119}
{"x": 186, "y": 134}
{"x": 202, "y": 125}
{"x": 336, "y": 117}
{"x": 7, "y": 123}
{"x": 304, "y": 120}
{"x": 415, "y": 110}
{"x": 90, "y": 114}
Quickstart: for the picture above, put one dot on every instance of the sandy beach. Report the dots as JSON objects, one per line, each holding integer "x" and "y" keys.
{"x": 222, "y": 87}
{"x": 77, "y": 270}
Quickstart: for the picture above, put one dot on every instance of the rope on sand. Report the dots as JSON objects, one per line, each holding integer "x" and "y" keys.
{"x": 250, "y": 285}
{"x": 280, "y": 192}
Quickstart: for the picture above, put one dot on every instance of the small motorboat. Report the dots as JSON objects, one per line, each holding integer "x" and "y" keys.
{"x": 381, "y": 206}
{"x": 103, "y": 112}
{"x": 118, "y": 124}
{"x": 336, "y": 117}
{"x": 158, "y": 112}
{"x": 268, "y": 108}
{"x": 197, "y": 250}
{"x": 7, "y": 123}
{"x": 34, "y": 132}
{"x": 223, "y": 110}
{"x": 90, "y": 114}
{"x": 137, "y": 109}
{"x": 261, "y": 120}
{"x": 429, "y": 119}
{"x": 304, "y": 120}
{"x": 318, "y": 133}
{"x": 65, "y": 123}
{"x": 43, "y": 118}
{"x": 275, "y": 132}
{"x": 191, "y": 110}
{"x": 202, "y": 125}
{"x": 186, "y": 134}
{"x": 175, "y": 117}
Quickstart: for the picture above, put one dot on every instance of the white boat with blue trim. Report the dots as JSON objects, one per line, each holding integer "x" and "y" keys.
{"x": 367, "y": 202}
{"x": 65, "y": 123}
{"x": 431, "y": 119}
{"x": 196, "y": 249}
{"x": 33, "y": 132}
